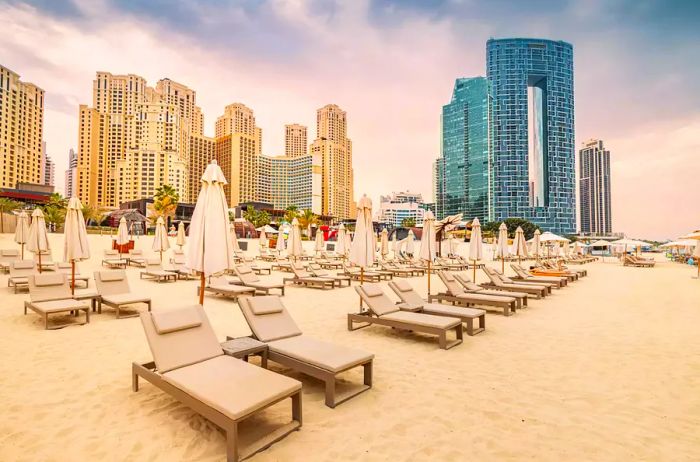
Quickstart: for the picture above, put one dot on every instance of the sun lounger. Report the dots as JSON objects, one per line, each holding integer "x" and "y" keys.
{"x": 456, "y": 294}
{"x": 319, "y": 272}
{"x": 114, "y": 290}
{"x": 357, "y": 275}
{"x": 507, "y": 280}
{"x": 189, "y": 364}
{"x": 396, "y": 271}
{"x": 524, "y": 275}
{"x": 50, "y": 293}
{"x": 469, "y": 286}
{"x": 7, "y": 256}
{"x": 410, "y": 298}
{"x": 178, "y": 266}
{"x": 112, "y": 260}
{"x": 498, "y": 284}
{"x": 159, "y": 275}
{"x": 631, "y": 260}
{"x": 382, "y": 311}
{"x": 47, "y": 263}
{"x": 220, "y": 286}
{"x": 20, "y": 270}
{"x": 306, "y": 279}
{"x": 271, "y": 323}
{"x": 136, "y": 258}
{"x": 328, "y": 264}
{"x": 66, "y": 268}
{"x": 282, "y": 265}
{"x": 563, "y": 270}
{"x": 250, "y": 279}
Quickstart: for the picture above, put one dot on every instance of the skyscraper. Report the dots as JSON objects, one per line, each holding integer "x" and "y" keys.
{"x": 70, "y": 174}
{"x": 202, "y": 151}
{"x": 284, "y": 181}
{"x": 21, "y": 129}
{"x": 295, "y": 140}
{"x": 532, "y": 82}
{"x": 594, "y": 188}
{"x": 49, "y": 178}
{"x": 464, "y": 176}
{"x": 335, "y": 149}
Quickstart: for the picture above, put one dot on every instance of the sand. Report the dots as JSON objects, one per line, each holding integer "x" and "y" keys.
{"x": 607, "y": 369}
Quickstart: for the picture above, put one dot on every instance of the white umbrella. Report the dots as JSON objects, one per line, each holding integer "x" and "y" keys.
{"x": 536, "y": 244}
{"x": 395, "y": 246}
{"x": 384, "y": 243}
{"x": 410, "y": 243}
{"x": 22, "y": 230}
{"x": 267, "y": 229}
{"x": 696, "y": 256}
{"x": 161, "y": 242}
{"x": 38, "y": 241}
{"x": 210, "y": 250}
{"x": 551, "y": 237}
{"x": 180, "y": 234}
{"x": 362, "y": 248}
{"x": 340, "y": 240}
{"x": 234, "y": 239}
{"x": 427, "y": 242}
{"x": 122, "y": 235}
{"x": 262, "y": 239}
{"x": 319, "y": 244}
{"x": 75, "y": 243}
{"x": 348, "y": 243}
{"x": 294, "y": 240}
{"x": 577, "y": 249}
{"x": 280, "y": 243}
{"x": 519, "y": 244}
{"x": 475, "y": 244}
{"x": 502, "y": 245}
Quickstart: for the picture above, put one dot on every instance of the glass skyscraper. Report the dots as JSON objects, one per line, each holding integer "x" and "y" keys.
{"x": 463, "y": 172}
{"x": 532, "y": 84}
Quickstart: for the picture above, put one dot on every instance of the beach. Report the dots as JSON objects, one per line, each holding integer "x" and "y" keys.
{"x": 604, "y": 369}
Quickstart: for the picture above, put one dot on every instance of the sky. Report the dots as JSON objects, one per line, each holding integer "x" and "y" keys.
{"x": 391, "y": 64}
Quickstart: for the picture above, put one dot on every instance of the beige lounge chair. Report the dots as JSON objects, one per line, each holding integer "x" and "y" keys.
{"x": 469, "y": 286}
{"x": 220, "y": 286}
{"x": 136, "y": 258}
{"x": 66, "y": 268}
{"x": 158, "y": 274}
{"x": 456, "y": 294}
{"x": 189, "y": 364}
{"x": 396, "y": 271}
{"x": 20, "y": 270}
{"x": 7, "y": 256}
{"x": 319, "y": 272}
{"x": 498, "y": 284}
{"x": 250, "y": 279}
{"x": 410, "y": 298}
{"x": 50, "y": 293}
{"x": 382, "y": 311}
{"x": 356, "y": 275}
{"x": 306, "y": 279}
{"x": 177, "y": 266}
{"x": 114, "y": 290}
{"x": 47, "y": 263}
{"x": 112, "y": 260}
{"x": 271, "y": 323}
{"x": 507, "y": 280}
{"x": 524, "y": 275}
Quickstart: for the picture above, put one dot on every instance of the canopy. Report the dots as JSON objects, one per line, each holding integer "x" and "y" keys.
{"x": 519, "y": 244}
{"x": 551, "y": 237}
{"x": 600, "y": 243}
{"x": 536, "y": 243}
{"x": 631, "y": 243}
{"x": 280, "y": 242}
{"x": 694, "y": 235}
{"x": 410, "y": 242}
{"x": 680, "y": 243}
{"x": 234, "y": 239}
{"x": 319, "y": 241}
{"x": 262, "y": 239}
{"x": 38, "y": 241}
{"x": 122, "y": 232}
{"x": 22, "y": 229}
{"x": 267, "y": 229}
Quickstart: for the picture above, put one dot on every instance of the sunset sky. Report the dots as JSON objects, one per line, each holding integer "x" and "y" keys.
{"x": 391, "y": 65}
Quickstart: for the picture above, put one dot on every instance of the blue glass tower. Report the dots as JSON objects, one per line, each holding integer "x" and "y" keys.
{"x": 464, "y": 167}
{"x": 532, "y": 81}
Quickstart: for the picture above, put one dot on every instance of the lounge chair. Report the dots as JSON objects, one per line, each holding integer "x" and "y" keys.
{"x": 456, "y": 294}
{"x": 631, "y": 260}
{"x": 282, "y": 264}
{"x": 271, "y": 323}
{"x": 189, "y": 364}
{"x": 505, "y": 279}
{"x": 114, "y": 290}
{"x": 382, "y": 311}
{"x": 357, "y": 275}
{"x": 250, "y": 279}
{"x": 319, "y": 272}
{"x": 524, "y": 275}
{"x": 572, "y": 274}
{"x": 306, "y": 279}
{"x": 469, "y": 286}
{"x": 498, "y": 284}
{"x": 20, "y": 270}
{"x": 6, "y": 257}
{"x": 136, "y": 258}
{"x": 396, "y": 271}
{"x": 220, "y": 286}
{"x": 68, "y": 269}
{"x": 410, "y": 298}
{"x": 158, "y": 274}
{"x": 113, "y": 260}
{"x": 328, "y": 264}
{"x": 50, "y": 293}
{"x": 47, "y": 263}
{"x": 178, "y": 266}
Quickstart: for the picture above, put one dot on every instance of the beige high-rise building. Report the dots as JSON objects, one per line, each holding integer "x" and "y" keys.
{"x": 135, "y": 139}
{"x": 202, "y": 151}
{"x": 335, "y": 150}
{"x": 285, "y": 181}
{"x": 295, "y": 140}
{"x": 21, "y": 130}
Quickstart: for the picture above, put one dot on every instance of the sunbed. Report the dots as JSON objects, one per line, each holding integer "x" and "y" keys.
{"x": 631, "y": 260}
{"x": 410, "y": 298}
{"x": 471, "y": 287}
{"x": 382, "y": 311}
{"x": 304, "y": 278}
{"x": 271, "y": 323}
{"x": 250, "y": 279}
{"x": 136, "y": 258}
{"x": 366, "y": 276}
{"x": 524, "y": 275}
{"x": 114, "y": 290}
{"x": 396, "y": 271}
{"x": 47, "y": 263}
{"x": 178, "y": 266}
{"x": 219, "y": 285}
{"x": 50, "y": 293}
{"x": 6, "y": 257}
{"x": 20, "y": 270}
{"x": 158, "y": 274}
{"x": 319, "y": 272}
{"x": 576, "y": 273}
{"x": 456, "y": 294}
{"x": 328, "y": 264}
{"x": 506, "y": 280}
{"x": 189, "y": 364}
{"x": 68, "y": 269}
{"x": 112, "y": 260}
{"x": 498, "y": 284}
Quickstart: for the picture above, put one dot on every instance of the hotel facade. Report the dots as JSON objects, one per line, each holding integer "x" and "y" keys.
{"x": 594, "y": 189}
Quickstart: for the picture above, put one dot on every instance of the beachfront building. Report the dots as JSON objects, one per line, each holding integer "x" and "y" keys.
{"x": 395, "y": 208}
{"x": 21, "y": 130}
{"x": 202, "y": 151}
{"x": 48, "y": 168}
{"x": 69, "y": 187}
{"x": 290, "y": 181}
{"x": 295, "y": 140}
{"x": 335, "y": 150}
{"x": 462, "y": 177}
{"x": 594, "y": 188}
{"x": 532, "y": 83}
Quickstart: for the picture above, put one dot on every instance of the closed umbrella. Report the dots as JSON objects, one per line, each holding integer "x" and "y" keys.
{"x": 395, "y": 246}
{"x": 348, "y": 243}
{"x": 161, "y": 242}
{"x": 234, "y": 240}
{"x": 22, "y": 230}
{"x": 536, "y": 244}
{"x": 362, "y": 248}
{"x": 319, "y": 243}
{"x": 75, "y": 244}
{"x": 210, "y": 250}
{"x": 428, "y": 242}
{"x": 180, "y": 241}
{"x": 294, "y": 249}
{"x": 577, "y": 249}
{"x": 475, "y": 244}
{"x": 122, "y": 235}
{"x": 262, "y": 239}
{"x": 280, "y": 243}
{"x": 410, "y": 243}
{"x": 502, "y": 245}
{"x": 519, "y": 244}
{"x": 340, "y": 240}
{"x": 384, "y": 243}
{"x": 38, "y": 241}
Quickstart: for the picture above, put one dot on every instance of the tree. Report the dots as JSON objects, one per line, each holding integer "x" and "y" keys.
{"x": 6, "y": 206}
{"x": 408, "y": 222}
{"x": 307, "y": 218}
{"x": 54, "y": 215}
{"x": 164, "y": 203}
{"x": 57, "y": 201}
{"x": 291, "y": 213}
{"x": 257, "y": 218}
{"x": 491, "y": 228}
{"x": 250, "y": 214}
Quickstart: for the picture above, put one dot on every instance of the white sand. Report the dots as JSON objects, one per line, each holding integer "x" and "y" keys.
{"x": 607, "y": 369}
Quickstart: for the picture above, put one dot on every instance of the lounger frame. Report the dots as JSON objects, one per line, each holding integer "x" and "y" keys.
{"x": 509, "y": 308}
{"x": 45, "y": 315}
{"x": 366, "y": 319}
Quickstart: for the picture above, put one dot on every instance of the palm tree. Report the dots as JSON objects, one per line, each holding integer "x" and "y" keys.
{"x": 95, "y": 213}
{"x": 307, "y": 218}
{"x": 54, "y": 215}
{"x": 6, "y": 206}
{"x": 57, "y": 201}
{"x": 291, "y": 213}
{"x": 408, "y": 222}
{"x": 165, "y": 203}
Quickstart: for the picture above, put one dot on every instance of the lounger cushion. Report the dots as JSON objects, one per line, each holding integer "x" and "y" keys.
{"x": 157, "y": 273}
{"x": 243, "y": 270}
{"x": 135, "y": 252}
{"x": 448, "y": 276}
{"x": 264, "y": 284}
{"x": 372, "y": 290}
{"x": 55, "y": 306}
{"x": 23, "y": 264}
{"x": 230, "y": 289}
{"x": 403, "y": 286}
{"x": 175, "y": 320}
{"x": 421, "y": 319}
{"x": 265, "y": 305}
{"x": 272, "y": 326}
{"x": 231, "y": 386}
{"x": 49, "y": 279}
{"x": 111, "y": 276}
{"x": 448, "y": 310}
{"x": 479, "y": 297}
{"x": 124, "y": 299}
{"x": 326, "y": 355}
{"x": 9, "y": 253}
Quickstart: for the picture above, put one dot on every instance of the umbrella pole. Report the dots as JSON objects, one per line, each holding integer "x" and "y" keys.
{"x": 72, "y": 271}
{"x": 474, "y": 280}
{"x": 362, "y": 280}
{"x": 503, "y": 264}
{"x": 428, "y": 279}
{"x": 22, "y": 246}
{"x": 39, "y": 261}
{"x": 161, "y": 256}
{"x": 201, "y": 288}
